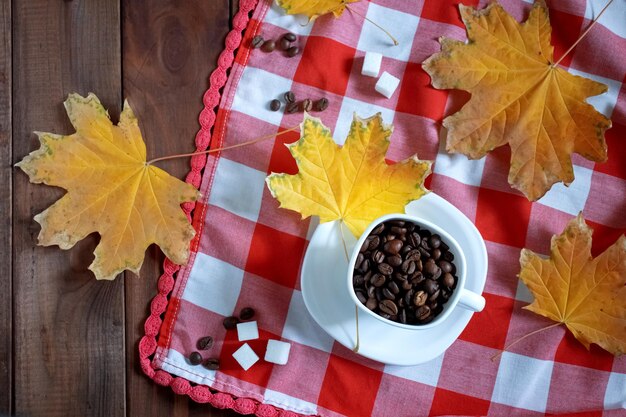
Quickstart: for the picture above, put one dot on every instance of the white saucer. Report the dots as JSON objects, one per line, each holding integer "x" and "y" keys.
{"x": 326, "y": 296}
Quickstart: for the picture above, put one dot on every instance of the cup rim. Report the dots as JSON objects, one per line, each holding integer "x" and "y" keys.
{"x": 459, "y": 260}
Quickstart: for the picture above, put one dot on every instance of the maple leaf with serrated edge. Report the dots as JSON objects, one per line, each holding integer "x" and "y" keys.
{"x": 586, "y": 294}
{"x": 314, "y": 8}
{"x": 352, "y": 183}
{"x": 110, "y": 190}
{"x": 518, "y": 97}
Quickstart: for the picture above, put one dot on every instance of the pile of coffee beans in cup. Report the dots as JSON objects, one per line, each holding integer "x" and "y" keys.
{"x": 404, "y": 273}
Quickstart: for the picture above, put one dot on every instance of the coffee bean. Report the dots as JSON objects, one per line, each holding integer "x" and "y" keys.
{"x": 257, "y": 41}
{"x": 230, "y": 323}
{"x": 365, "y": 265}
{"x": 371, "y": 303}
{"x": 393, "y": 287}
{"x": 388, "y": 294}
{"x": 400, "y": 277}
{"x": 204, "y": 343}
{"x": 399, "y": 223}
{"x": 425, "y": 254}
{"x": 292, "y": 108}
{"x": 430, "y": 267}
{"x": 384, "y": 315}
{"x": 434, "y": 296}
{"x": 435, "y": 241}
{"x": 195, "y": 358}
{"x": 413, "y": 255}
{"x": 402, "y": 316}
{"x": 378, "y": 256}
{"x": 290, "y": 37}
{"x": 290, "y": 97}
{"x": 293, "y": 51}
{"x": 378, "y": 229}
{"x": 275, "y": 105}
{"x": 448, "y": 256}
{"x": 445, "y": 266}
{"x": 371, "y": 292}
{"x": 378, "y": 280}
{"x": 430, "y": 286}
{"x": 424, "y": 233}
{"x": 395, "y": 260}
{"x": 284, "y": 44}
{"x": 398, "y": 230}
{"x": 306, "y": 105}
{"x": 408, "y": 297}
{"x": 417, "y": 278}
{"x": 268, "y": 46}
{"x": 212, "y": 364}
{"x": 359, "y": 260}
{"x": 424, "y": 244}
{"x": 422, "y": 313}
{"x": 436, "y": 254}
{"x": 408, "y": 267}
{"x": 415, "y": 239}
{"x": 321, "y": 105}
{"x": 388, "y": 307}
{"x": 385, "y": 269}
{"x": 393, "y": 246}
{"x": 419, "y": 299}
{"x": 374, "y": 242}
{"x": 358, "y": 280}
{"x": 406, "y": 285}
{"x": 448, "y": 280}
{"x": 406, "y": 249}
{"x": 246, "y": 313}
{"x": 361, "y": 296}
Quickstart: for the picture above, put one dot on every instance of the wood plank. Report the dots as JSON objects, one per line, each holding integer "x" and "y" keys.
{"x": 69, "y": 334}
{"x": 6, "y": 186}
{"x": 170, "y": 48}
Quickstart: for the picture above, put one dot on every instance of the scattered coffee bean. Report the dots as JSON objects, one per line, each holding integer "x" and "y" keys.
{"x": 268, "y": 46}
{"x": 290, "y": 97}
{"x": 404, "y": 273}
{"x": 230, "y": 323}
{"x": 284, "y": 44}
{"x": 212, "y": 364}
{"x": 204, "y": 343}
{"x": 321, "y": 104}
{"x": 290, "y": 37}
{"x": 246, "y": 313}
{"x": 292, "y": 108}
{"x": 275, "y": 105}
{"x": 306, "y": 105}
{"x": 195, "y": 358}
{"x": 293, "y": 51}
{"x": 257, "y": 41}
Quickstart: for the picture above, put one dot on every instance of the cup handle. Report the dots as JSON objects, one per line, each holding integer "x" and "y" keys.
{"x": 471, "y": 301}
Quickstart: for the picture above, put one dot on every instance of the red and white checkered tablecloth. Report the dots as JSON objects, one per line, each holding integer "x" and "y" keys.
{"x": 248, "y": 252}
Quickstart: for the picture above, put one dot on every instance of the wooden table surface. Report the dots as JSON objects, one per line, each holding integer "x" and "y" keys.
{"x": 68, "y": 343}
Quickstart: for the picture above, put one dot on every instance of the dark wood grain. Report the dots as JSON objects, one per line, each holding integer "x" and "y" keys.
{"x": 69, "y": 329}
{"x": 170, "y": 48}
{"x": 6, "y": 198}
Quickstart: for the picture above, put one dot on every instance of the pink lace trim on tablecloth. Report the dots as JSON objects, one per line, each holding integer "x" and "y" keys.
{"x": 148, "y": 343}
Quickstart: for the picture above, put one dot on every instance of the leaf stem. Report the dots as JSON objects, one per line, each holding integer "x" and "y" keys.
{"x": 580, "y": 38}
{"x": 250, "y": 142}
{"x": 494, "y": 357}
{"x": 395, "y": 41}
{"x": 355, "y": 349}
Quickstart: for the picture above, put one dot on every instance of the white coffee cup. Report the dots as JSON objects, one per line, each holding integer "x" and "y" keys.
{"x": 460, "y": 298}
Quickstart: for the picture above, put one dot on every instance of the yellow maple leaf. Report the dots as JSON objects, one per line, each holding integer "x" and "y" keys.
{"x": 519, "y": 97}
{"x": 314, "y": 8}
{"x": 587, "y": 295}
{"x": 110, "y": 190}
{"x": 351, "y": 183}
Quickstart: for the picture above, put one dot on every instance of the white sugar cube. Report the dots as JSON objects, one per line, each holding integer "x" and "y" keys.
{"x": 245, "y": 356}
{"x": 371, "y": 64}
{"x": 277, "y": 352}
{"x": 387, "y": 84}
{"x": 247, "y": 331}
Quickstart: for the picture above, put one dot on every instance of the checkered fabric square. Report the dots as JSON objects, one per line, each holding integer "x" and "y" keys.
{"x": 248, "y": 251}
